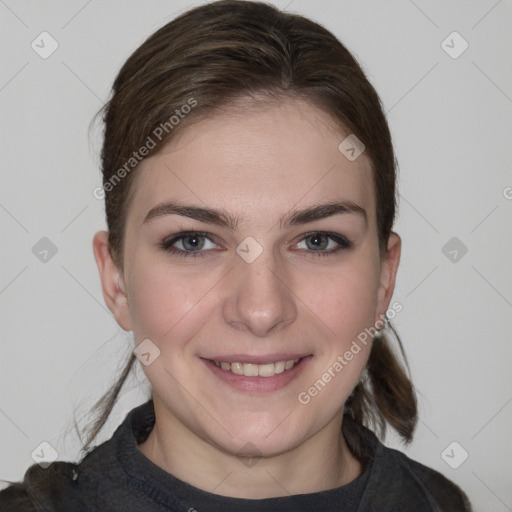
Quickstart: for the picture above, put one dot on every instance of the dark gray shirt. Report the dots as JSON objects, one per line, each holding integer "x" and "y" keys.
{"x": 116, "y": 476}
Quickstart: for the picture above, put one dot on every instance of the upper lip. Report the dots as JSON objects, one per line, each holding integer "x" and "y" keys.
{"x": 256, "y": 359}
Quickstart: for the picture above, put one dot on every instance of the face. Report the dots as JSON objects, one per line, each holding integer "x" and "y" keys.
{"x": 251, "y": 263}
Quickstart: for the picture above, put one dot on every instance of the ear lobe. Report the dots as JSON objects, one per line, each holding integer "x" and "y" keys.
{"x": 112, "y": 282}
{"x": 389, "y": 267}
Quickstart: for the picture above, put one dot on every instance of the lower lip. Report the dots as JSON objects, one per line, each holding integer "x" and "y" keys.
{"x": 257, "y": 384}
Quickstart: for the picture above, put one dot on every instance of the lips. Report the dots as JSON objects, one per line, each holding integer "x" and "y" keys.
{"x": 257, "y": 370}
{"x": 257, "y": 374}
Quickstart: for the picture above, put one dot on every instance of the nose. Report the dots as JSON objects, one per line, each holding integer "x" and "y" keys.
{"x": 259, "y": 298}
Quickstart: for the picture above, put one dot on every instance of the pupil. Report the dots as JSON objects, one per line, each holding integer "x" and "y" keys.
{"x": 317, "y": 240}
{"x": 193, "y": 242}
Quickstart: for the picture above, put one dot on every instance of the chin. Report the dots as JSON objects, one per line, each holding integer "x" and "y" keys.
{"x": 258, "y": 438}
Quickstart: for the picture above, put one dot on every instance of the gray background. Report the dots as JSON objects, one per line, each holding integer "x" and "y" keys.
{"x": 450, "y": 119}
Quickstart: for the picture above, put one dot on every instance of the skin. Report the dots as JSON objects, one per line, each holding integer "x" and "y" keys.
{"x": 257, "y": 164}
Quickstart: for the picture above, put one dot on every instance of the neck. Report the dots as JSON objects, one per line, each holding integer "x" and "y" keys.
{"x": 176, "y": 450}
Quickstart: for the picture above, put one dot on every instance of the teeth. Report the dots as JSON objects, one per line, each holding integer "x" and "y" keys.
{"x": 237, "y": 368}
{"x": 280, "y": 366}
{"x": 255, "y": 370}
{"x": 267, "y": 370}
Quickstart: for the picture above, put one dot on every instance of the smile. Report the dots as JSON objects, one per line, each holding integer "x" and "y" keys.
{"x": 257, "y": 370}
{"x": 257, "y": 374}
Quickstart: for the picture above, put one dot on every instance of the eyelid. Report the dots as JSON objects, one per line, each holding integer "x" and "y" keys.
{"x": 329, "y": 234}
{"x": 343, "y": 243}
{"x": 167, "y": 244}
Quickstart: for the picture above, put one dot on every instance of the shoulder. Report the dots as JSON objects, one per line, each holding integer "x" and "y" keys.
{"x": 419, "y": 482}
{"x": 70, "y": 486}
{"x": 63, "y": 485}
{"x": 40, "y": 490}
{"x": 397, "y": 482}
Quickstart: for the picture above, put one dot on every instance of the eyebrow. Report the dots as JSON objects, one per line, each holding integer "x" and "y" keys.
{"x": 225, "y": 219}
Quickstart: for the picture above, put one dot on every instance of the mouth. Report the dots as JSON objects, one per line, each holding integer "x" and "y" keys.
{"x": 264, "y": 375}
{"x": 257, "y": 370}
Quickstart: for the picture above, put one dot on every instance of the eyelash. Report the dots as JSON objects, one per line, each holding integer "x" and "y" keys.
{"x": 167, "y": 244}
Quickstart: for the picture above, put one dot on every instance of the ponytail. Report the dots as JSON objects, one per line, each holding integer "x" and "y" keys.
{"x": 42, "y": 487}
{"x": 386, "y": 395}
{"x": 105, "y": 404}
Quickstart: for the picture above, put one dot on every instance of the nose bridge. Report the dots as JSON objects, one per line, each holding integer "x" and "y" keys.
{"x": 259, "y": 298}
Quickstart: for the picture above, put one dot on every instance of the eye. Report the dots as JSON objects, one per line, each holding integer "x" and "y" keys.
{"x": 189, "y": 244}
{"x": 320, "y": 243}
{"x": 193, "y": 244}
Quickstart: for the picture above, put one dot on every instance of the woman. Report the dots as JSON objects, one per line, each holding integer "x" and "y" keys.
{"x": 249, "y": 185}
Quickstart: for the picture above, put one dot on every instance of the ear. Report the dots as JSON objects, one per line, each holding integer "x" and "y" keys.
{"x": 388, "y": 269}
{"x": 112, "y": 282}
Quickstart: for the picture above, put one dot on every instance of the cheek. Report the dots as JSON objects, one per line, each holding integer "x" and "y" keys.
{"x": 167, "y": 303}
{"x": 345, "y": 304}
{"x": 345, "y": 299}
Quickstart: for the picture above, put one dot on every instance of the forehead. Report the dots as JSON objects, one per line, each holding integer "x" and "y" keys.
{"x": 256, "y": 161}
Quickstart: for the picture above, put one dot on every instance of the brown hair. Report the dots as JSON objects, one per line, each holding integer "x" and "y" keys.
{"x": 213, "y": 55}
{"x": 206, "y": 59}
{"x": 231, "y": 49}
